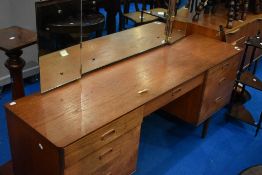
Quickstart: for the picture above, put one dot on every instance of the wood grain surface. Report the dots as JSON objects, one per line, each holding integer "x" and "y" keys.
{"x": 105, "y": 50}
{"x": 16, "y": 38}
{"x": 69, "y": 113}
{"x": 57, "y": 70}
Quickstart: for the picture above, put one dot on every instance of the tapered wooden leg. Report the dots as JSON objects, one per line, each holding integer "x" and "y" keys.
{"x": 15, "y": 65}
{"x": 205, "y": 128}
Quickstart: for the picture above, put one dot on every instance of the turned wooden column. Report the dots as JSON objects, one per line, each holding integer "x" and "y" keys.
{"x": 245, "y": 9}
{"x": 12, "y": 41}
{"x": 231, "y": 14}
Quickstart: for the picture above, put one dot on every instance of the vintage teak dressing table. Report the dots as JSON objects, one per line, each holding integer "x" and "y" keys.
{"x": 92, "y": 126}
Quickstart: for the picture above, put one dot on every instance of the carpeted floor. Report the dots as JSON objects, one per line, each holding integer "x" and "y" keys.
{"x": 169, "y": 146}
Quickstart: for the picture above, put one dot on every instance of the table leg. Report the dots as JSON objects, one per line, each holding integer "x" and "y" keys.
{"x": 205, "y": 128}
{"x": 15, "y": 65}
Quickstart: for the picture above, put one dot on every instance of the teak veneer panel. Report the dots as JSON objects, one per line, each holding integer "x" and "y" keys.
{"x": 101, "y": 137}
{"x": 173, "y": 94}
{"x": 219, "y": 86}
{"x": 122, "y": 151}
{"x": 69, "y": 113}
{"x": 209, "y": 97}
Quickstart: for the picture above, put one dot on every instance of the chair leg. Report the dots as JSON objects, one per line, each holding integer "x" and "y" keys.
{"x": 205, "y": 128}
{"x": 259, "y": 124}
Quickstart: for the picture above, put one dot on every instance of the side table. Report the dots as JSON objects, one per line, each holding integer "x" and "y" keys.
{"x": 12, "y": 41}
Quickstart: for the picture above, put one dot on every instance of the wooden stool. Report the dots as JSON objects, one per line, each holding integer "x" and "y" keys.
{"x": 12, "y": 41}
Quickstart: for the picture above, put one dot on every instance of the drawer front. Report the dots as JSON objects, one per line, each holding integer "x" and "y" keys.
{"x": 237, "y": 34}
{"x": 219, "y": 86}
{"x": 101, "y": 137}
{"x": 116, "y": 158}
{"x": 172, "y": 95}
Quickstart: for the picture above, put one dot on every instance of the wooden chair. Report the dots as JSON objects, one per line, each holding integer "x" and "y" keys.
{"x": 246, "y": 77}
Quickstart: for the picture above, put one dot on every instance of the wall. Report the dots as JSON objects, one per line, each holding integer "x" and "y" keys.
{"x": 18, "y": 13}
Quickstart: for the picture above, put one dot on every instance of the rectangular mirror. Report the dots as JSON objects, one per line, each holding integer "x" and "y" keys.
{"x": 59, "y": 38}
{"x": 119, "y": 30}
{"x": 106, "y": 31}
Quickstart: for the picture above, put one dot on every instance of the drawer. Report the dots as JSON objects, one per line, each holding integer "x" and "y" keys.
{"x": 219, "y": 86}
{"x": 101, "y": 137}
{"x": 223, "y": 73}
{"x": 116, "y": 158}
{"x": 211, "y": 104}
{"x": 236, "y": 34}
{"x": 172, "y": 95}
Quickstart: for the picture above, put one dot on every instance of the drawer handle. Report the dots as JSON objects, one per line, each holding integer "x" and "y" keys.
{"x": 109, "y": 173}
{"x": 226, "y": 65}
{"x": 108, "y": 133}
{"x": 143, "y": 91}
{"x": 219, "y": 99}
{"x": 221, "y": 80}
{"x": 234, "y": 31}
{"x": 176, "y": 91}
{"x": 105, "y": 153}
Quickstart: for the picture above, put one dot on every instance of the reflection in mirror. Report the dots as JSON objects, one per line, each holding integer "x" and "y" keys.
{"x": 132, "y": 27}
{"x": 59, "y": 37}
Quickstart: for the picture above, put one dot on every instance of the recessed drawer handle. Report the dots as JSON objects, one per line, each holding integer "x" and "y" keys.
{"x": 219, "y": 99}
{"x": 226, "y": 65}
{"x": 108, "y": 133}
{"x": 105, "y": 153}
{"x": 234, "y": 31}
{"x": 109, "y": 173}
{"x": 143, "y": 91}
{"x": 222, "y": 80}
{"x": 176, "y": 91}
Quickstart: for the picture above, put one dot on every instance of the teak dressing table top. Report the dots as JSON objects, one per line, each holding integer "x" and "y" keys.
{"x": 69, "y": 113}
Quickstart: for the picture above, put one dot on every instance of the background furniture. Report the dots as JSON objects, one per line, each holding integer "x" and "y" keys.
{"x": 143, "y": 15}
{"x": 12, "y": 41}
{"x": 237, "y": 10}
{"x": 85, "y": 118}
{"x": 246, "y": 77}
{"x": 59, "y": 23}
